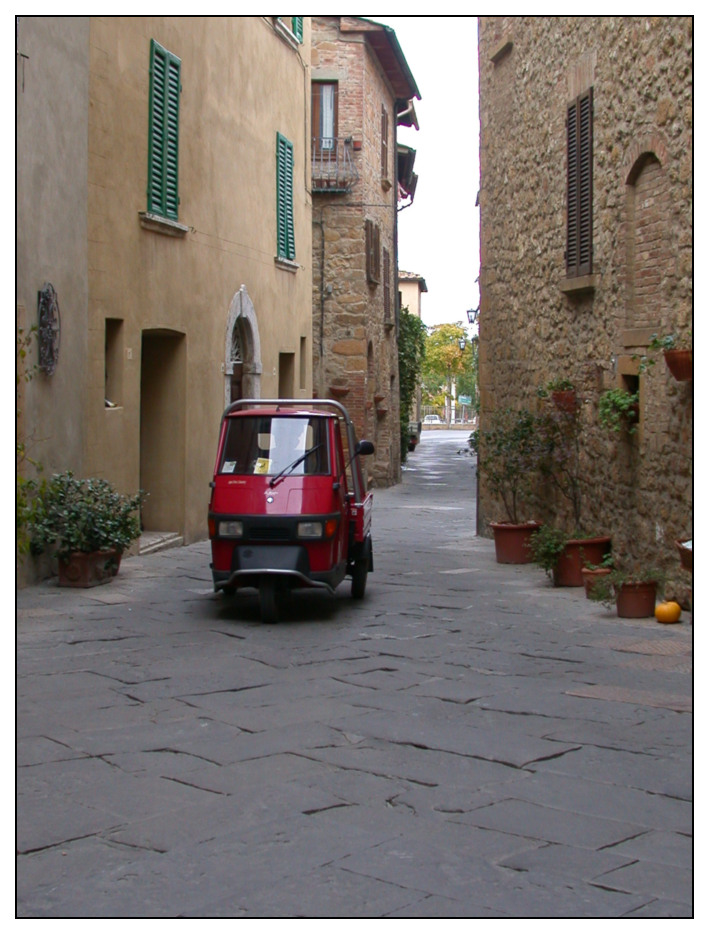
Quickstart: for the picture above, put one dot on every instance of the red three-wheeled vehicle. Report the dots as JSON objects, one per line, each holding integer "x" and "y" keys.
{"x": 289, "y": 506}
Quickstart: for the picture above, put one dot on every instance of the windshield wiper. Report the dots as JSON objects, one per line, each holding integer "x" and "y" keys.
{"x": 291, "y": 467}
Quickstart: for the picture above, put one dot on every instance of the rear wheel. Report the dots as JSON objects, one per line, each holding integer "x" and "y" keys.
{"x": 359, "y": 578}
{"x": 268, "y": 598}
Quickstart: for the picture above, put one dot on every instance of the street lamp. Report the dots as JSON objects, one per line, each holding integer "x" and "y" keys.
{"x": 473, "y": 314}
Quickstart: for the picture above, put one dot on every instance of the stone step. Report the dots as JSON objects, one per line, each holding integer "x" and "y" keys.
{"x": 158, "y": 541}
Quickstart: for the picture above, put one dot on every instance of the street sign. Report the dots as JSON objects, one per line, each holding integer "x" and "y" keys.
{"x": 464, "y": 400}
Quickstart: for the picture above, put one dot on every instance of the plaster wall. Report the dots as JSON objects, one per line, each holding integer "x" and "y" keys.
{"x": 52, "y": 95}
{"x": 242, "y": 83}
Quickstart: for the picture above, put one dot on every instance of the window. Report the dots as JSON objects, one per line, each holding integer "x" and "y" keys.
{"x": 165, "y": 90}
{"x": 579, "y": 219}
{"x": 268, "y": 445}
{"x": 324, "y": 114}
{"x": 372, "y": 247}
{"x": 284, "y": 197}
{"x": 290, "y": 29}
{"x": 385, "y": 143}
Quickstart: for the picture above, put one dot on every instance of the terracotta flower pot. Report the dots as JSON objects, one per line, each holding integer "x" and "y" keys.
{"x": 636, "y": 599}
{"x": 578, "y": 553}
{"x": 565, "y": 399}
{"x": 686, "y": 556}
{"x": 679, "y": 363}
{"x": 512, "y": 542}
{"x": 590, "y": 576}
{"x": 88, "y": 569}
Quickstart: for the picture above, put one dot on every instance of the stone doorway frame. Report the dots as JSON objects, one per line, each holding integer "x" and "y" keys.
{"x": 242, "y": 316}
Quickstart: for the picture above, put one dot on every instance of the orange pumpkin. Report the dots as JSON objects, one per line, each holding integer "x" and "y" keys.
{"x": 668, "y": 612}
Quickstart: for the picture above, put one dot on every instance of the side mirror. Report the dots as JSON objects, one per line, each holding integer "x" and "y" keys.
{"x": 364, "y": 447}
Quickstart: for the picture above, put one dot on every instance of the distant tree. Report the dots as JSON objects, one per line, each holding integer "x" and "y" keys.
{"x": 445, "y": 362}
{"x": 412, "y": 346}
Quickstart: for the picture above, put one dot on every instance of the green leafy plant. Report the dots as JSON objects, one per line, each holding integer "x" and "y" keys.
{"x": 546, "y": 546}
{"x": 670, "y": 341}
{"x": 605, "y": 590}
{"x": 617, "y": 410}
{"x": 509, "y": 452}
{"x": 88, "y": 515}
{"x": 555, "y": 385}
{"x": 412, "y": 348}
{"x": 606, "y": 563}
{"x": 561, "y": 463}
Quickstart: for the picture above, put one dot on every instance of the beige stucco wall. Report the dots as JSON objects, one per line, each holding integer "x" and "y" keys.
{"x": 52, "y": 94}
{"x": 410, "y": 291}
{"x": 242, "y": 82}
{"x": 532, "y": 329}
{"x": 170, "y": 301}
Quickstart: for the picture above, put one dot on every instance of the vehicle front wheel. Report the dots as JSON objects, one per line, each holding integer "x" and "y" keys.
{"x": 268, "y": 599}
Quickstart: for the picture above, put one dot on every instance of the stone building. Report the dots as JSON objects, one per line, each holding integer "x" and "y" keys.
{"x": 362, "y": 90}
{"x": 411, "y": 288}
{"x": 164, "y": 212}
{"x": 586, "y": 252}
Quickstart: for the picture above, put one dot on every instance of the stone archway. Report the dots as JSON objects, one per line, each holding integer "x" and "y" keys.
{"x": 242, "y": 350}
{"x": 648, "y": 262}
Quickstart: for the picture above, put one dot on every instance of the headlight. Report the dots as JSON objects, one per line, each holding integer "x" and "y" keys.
{"x": 230, "y": 529}
{"x": 310, "y": 530}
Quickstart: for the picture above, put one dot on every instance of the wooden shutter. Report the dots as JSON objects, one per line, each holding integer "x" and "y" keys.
{"x": 579, "y": 220}
{"x": 163, "y": 142}
{"x": 386, "y": 262}
{"x": 373, "y": 251}
{"x": 284, "y": 198}
{"x": 297, "y": 27}
{"x": 385, "y": 143}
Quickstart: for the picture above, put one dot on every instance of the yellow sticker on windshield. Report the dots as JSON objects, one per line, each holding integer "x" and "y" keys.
{"x": 262, "y": 465}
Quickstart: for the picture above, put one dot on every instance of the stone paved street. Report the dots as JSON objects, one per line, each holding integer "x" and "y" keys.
{"x": 468, "y": 741}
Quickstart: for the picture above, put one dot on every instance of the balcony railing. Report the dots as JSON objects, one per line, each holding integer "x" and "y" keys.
{"x": 333, "y": 166}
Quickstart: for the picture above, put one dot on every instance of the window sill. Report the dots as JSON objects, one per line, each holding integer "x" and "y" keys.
{"x": 162, "y": 225}
{"x": 288, "y": 265}
{"x": 579, "y": 285}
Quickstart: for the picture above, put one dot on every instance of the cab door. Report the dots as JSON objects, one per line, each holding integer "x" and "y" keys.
{"x": 340, "y": 491}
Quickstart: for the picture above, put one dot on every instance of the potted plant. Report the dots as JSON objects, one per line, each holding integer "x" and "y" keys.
{"x": 508, "y": 458}
{"x": 678, "y": 359}
{"x": 87, "y": 524}
{"x": 561, "y": 464}
{"x": 631, "y": 589}
{"x": 619, "y": 410}
{"x": 592, "y": 574}
{"x": 562, "y": 393}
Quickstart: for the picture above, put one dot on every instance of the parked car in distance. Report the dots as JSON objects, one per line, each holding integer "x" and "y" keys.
{"x": 432, "y": 420}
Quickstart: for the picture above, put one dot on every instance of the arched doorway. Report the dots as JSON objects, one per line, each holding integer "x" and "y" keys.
{"x": 242, "y": 353}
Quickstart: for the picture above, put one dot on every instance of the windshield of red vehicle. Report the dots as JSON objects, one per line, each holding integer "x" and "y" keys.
{"x": 270, "y": 445}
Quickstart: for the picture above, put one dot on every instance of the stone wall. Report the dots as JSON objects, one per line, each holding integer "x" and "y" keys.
{"x": 535, "y": 324}
{"x": 354, "y": 340}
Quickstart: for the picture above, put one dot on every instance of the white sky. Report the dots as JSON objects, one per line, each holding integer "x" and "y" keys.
{"x": 439, "y": 235}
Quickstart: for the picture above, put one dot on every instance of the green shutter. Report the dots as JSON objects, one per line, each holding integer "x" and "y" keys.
{"x": 284, "y": 197}
{"x": 163, "y": 132}
{"x": 297, "y": 27}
